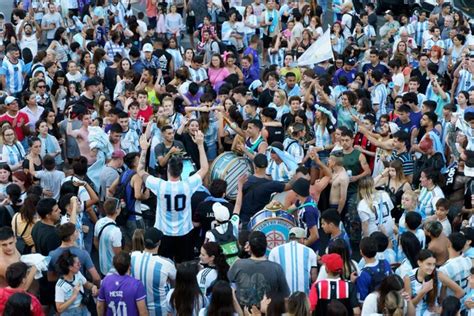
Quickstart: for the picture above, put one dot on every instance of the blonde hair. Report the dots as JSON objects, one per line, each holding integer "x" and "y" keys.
{"x": 282, "y": 95}
{"x": 413, "y": 196}
{"x": 366, "y": 191}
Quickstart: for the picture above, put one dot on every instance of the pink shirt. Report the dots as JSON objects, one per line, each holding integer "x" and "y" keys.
{"x": 151, "y": 10}
{"x": 216, "y": 76}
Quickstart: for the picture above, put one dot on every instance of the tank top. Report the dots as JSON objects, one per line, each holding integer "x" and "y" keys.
{"x": 351, "y": 162}
{"x": 275, "y": 134}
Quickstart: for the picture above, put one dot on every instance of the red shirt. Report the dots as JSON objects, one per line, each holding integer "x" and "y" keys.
{"x": 5, "y": 294}
{"x": 17, "y": 126}
{"x": 144, "y": 115}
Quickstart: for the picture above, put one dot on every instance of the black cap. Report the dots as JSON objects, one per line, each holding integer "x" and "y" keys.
{"x": 351, "y": 61}
{"x": 152, "y": 237}
{"x": 91, "y": 82}
{"x": 278, "y": 145}
{"x": 134, "y": 52}
{"x": 301, "y": 187}
{"x": 260, "y": 161}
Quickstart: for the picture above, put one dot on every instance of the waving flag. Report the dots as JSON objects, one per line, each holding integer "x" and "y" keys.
{"x": 319, "y": 51}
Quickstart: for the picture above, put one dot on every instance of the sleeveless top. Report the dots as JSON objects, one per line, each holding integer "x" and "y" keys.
{"x": 275, "y": 134}
{"x": 351, "y": 162}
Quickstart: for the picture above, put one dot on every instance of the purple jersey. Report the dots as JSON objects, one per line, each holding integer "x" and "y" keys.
{"x": 120, "y": 293}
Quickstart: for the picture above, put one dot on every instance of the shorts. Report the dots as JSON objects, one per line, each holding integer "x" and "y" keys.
{"x": 177, "y": 248}
{"x": 267, "y": 41}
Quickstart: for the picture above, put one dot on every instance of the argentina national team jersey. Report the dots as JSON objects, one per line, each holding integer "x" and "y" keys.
{"x": 458, "y": 269}
{"x": 296, "y": 260}
{"x": 173, "y": 207}
{"x": 154, "y": 272}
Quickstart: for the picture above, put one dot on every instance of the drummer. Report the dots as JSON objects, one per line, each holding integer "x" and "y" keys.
{"x": 255, "y": 143}
{"x": 307, "y": 213}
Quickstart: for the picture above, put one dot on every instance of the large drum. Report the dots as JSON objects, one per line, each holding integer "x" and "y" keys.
{"x": 229, "y": 167}
{"x": 274, "y": 222}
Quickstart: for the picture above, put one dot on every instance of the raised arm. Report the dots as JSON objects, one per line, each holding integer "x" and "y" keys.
{"x": 199, "y": 140}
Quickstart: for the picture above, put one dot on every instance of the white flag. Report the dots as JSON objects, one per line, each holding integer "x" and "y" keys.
{"x": 319, "y": 51}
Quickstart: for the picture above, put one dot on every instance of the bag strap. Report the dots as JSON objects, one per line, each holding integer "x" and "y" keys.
{"x": 102, "y": 229}
{"x": 72, "y": 284}
{"x": 16, "y": 228}
{"x": 289, "y": 145}
{"x": 10, "y": 210}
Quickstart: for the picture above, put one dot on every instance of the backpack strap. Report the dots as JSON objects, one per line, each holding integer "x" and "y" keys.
{"x": 221, "y": 237}
{"x": 10, "y": 210}
{"x": 291, "y": 143}
{"x": 102, "y": 229}
{"x": 16, "y": 227}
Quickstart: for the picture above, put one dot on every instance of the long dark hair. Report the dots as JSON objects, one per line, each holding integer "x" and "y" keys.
{"x": 59, "y": 74}
{"x": 432, "y": 295}
{"x": 277, "y": 306}
{"x": 340, "y": 247}
{"x": 392, "y": 282}
{"x": 411, "y": 247}
{"x": 58, "y": 35}
{"x": 186, "y": 294}
{"x": 221, "y": 300}
{"x": 28, "y": 209}
{"x": 222, "y": 267}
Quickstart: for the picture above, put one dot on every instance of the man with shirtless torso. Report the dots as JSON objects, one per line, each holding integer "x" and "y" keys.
{"x": 439, "y": 242}
{"x": 82, "y": 137}
{"x": 339, "y": 181}
{"x": 8, "y": 252}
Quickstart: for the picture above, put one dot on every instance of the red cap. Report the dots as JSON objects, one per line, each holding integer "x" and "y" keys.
{"x": 333, "y": 262}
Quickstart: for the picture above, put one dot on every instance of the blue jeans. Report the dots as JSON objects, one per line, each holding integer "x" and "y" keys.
{"x": 76, "y": 311}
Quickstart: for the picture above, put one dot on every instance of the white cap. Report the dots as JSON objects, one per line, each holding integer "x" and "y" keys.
{"x": 221, "y": 213}
{"x": 147, "y": 48}
{"x": 9, "y": 100}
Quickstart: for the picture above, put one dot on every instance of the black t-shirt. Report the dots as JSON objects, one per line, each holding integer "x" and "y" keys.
{"x": 190, "y": 147}
{"x": 89, "y": 103}
{"x": 110, "y": 79}
{"x": 205, "y": 215}
{"x": 275, "y": 134}
{"x": 165, "y": 58}
{"x": 45, "y": 237}
{"x": 265, "y": 98}
{"x": 424, "y": 79}
{"x": 257, "y": 194}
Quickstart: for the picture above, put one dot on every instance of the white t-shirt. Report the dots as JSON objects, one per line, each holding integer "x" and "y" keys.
{"x": 399, "y": 81}
{"x": 383, "y": 205}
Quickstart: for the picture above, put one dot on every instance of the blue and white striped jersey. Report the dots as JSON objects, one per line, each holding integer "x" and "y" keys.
{"x": 111, "y": 237}
{"x": 296, "y": 260}
{"x": 154, "y": 272}
{"x": 13, "y": 74}
{"x": 173, "y": 207}
{"x": 457, "y": 269}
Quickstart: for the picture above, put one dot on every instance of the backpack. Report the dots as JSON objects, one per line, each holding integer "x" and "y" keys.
{"x": 355, "y": 19}
{"x": 122, "y": 195}
{"x": 227, "y": 242}
{"x": 377, "y": 274}
{"x": 352, "y": 221}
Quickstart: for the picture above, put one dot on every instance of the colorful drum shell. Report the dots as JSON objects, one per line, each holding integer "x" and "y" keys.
{"x": 276, "y": 225}
{"x": 229, "y": 167}
{"x": 188, "y": 168}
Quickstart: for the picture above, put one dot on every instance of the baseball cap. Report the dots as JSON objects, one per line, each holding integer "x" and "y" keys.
{"x": 255, "y": 84}
{"x": 119, "y": 153}
{"x": 389, "y": 12}
{"x": 91, "y": 82}
{"x": 333, "y": 262}
{"x": 301, "y": 187}
{"x": 152, "y": 237}
{"x": 9, "y": 100}
{"x": 221, "y": 213}
{"x": 297, "y": 232}
{"x": 426, "y": 143}
{"x": 260, "y": 161}
{"x": 351, "y": 62}
{"x": 147, "y": 48}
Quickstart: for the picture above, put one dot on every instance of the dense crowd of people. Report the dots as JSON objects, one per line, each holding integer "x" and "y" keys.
{"x": 184, "y": 160}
